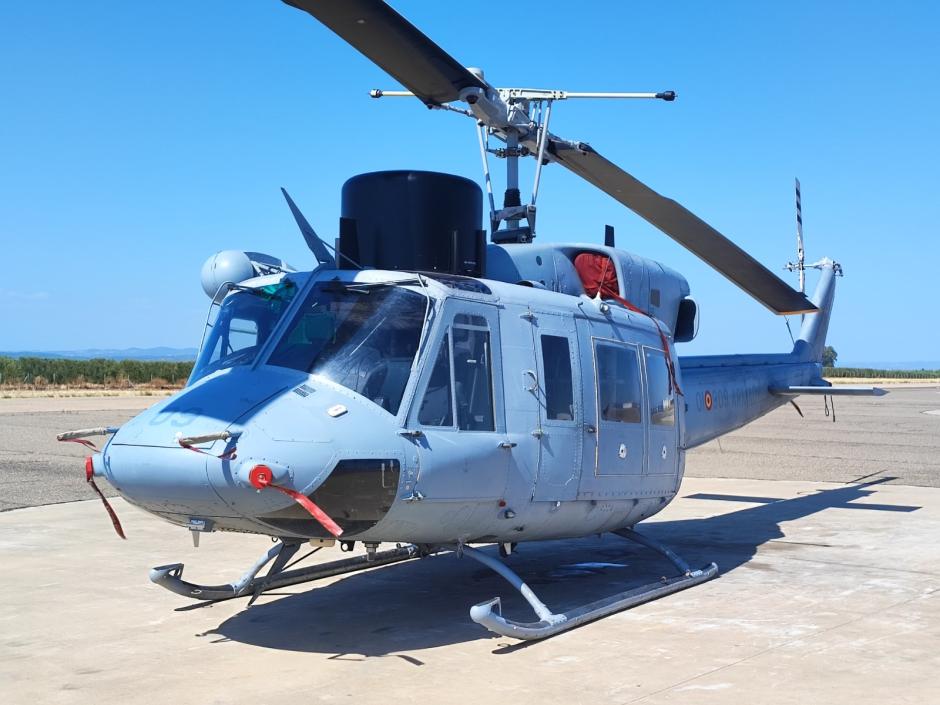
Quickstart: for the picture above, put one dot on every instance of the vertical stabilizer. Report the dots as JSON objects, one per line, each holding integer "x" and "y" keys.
{"x": 809, "y": 346}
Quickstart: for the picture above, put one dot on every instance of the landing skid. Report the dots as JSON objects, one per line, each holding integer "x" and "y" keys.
{"x": 171, "y": 576}
{"x": 550, "y": 623}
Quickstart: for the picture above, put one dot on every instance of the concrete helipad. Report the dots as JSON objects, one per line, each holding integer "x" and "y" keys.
{"x": 828, "y": 593}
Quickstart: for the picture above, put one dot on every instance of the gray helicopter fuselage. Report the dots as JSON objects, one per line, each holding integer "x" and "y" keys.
{"x": 454, "y": 409}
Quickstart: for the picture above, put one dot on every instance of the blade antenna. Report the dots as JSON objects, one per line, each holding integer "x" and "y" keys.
{"x": 316, "y": 245}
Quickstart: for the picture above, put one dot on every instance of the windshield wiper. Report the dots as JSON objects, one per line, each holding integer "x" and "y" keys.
{"x": 271, "y": 292}
{"x": 339, "y": 287}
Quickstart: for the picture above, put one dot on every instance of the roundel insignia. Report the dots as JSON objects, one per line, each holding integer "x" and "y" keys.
{"x": 708, "y": 401}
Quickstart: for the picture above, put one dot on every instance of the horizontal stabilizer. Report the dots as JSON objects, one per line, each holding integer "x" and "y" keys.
{"x": 847, "y": 390}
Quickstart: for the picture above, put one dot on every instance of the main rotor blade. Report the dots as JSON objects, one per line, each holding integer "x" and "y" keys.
{"x": 397, "y": 46}
{"x": 681, "y": 225}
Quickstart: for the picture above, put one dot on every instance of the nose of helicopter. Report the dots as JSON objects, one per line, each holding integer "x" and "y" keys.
{"x": 197, "y": 456}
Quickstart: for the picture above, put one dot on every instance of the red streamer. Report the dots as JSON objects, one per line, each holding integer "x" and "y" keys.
{"x": 261, "y": 477}
{"x": 227, "y": 455}
{"x": 84, "y": 442}
{"x": 90, "y": 479}
{"x": 314, "y": 510}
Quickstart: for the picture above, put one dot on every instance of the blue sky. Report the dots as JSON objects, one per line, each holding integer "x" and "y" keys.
{"x": 136, "y": 139}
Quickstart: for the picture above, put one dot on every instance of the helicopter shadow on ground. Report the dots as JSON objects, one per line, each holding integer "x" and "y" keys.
{"x": 424, "y": 603}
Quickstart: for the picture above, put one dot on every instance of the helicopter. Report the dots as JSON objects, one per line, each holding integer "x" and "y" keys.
{"x": 425, "y": 388}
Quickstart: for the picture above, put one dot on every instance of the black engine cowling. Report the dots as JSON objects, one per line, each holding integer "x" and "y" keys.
{"x": 413, "y": 221}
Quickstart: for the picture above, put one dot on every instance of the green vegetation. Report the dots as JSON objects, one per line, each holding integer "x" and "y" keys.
{"x": 42, "y": 371}
{"x": 868, "y": 373}
{"x": 829, "y": 356}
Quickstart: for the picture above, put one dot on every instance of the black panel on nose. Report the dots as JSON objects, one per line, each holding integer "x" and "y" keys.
{"x": 357, "y": 495}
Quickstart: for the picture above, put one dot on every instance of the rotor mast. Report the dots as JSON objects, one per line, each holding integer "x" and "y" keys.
{"x": 518, "y": 117}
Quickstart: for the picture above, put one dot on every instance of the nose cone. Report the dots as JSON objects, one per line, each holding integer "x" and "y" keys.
{"x": 170, "y": 482}
{"x": 318, "y": 439}
{"x": 146, "y": 464}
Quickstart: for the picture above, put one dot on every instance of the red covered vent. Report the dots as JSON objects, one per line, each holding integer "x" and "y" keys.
{"x": 260, "y": 476}
{"x": 597, "y": 273}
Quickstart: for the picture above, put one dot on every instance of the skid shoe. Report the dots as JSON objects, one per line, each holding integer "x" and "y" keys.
{"x": 489, "y": 613}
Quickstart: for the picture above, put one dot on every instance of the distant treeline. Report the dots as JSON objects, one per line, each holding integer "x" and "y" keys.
{"x": 41, "y": 371}
{"x": 864, "y": 372}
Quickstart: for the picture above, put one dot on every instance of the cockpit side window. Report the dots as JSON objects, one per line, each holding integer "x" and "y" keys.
{"x": 473, "y": 373}
{"x": 461, "y": 383}
{"x": 437, "y": 405}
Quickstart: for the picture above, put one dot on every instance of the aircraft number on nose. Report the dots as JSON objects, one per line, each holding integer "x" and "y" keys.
{"x": 177, "y": 419}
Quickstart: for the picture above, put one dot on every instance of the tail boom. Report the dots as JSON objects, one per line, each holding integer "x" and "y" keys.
{"x": 725, "y": 392}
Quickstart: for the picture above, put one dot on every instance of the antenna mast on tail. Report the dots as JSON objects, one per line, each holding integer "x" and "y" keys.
{"x": 800, "y": 264}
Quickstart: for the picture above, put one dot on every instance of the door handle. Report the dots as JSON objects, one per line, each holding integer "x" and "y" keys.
{"x": 588, "y": 428}
{"x": 534, "y": 383}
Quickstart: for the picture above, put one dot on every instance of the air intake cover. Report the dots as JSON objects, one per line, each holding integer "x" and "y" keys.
{"x": 413, "y": 221}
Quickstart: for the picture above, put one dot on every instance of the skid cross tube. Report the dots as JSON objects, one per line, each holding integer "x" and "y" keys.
{"x": 551, "y": 623}
{"x": 171, "y": 576}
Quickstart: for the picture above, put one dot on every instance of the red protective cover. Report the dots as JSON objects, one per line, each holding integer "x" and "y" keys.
{"x": 597, "y": 273}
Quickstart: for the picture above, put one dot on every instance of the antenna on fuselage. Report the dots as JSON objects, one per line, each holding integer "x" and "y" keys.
{"x": 316, "y": 245}
{"x": 609, "y": 240}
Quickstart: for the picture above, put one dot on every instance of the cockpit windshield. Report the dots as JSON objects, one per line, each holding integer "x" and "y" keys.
{"x": 241, "y": 325}
{"x": 362, "y": 336}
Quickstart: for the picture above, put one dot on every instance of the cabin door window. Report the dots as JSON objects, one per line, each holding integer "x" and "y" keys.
{"x": 663, "y": 437}
{"x": 621, "y": 429}
{"x": 558, "y": 393}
